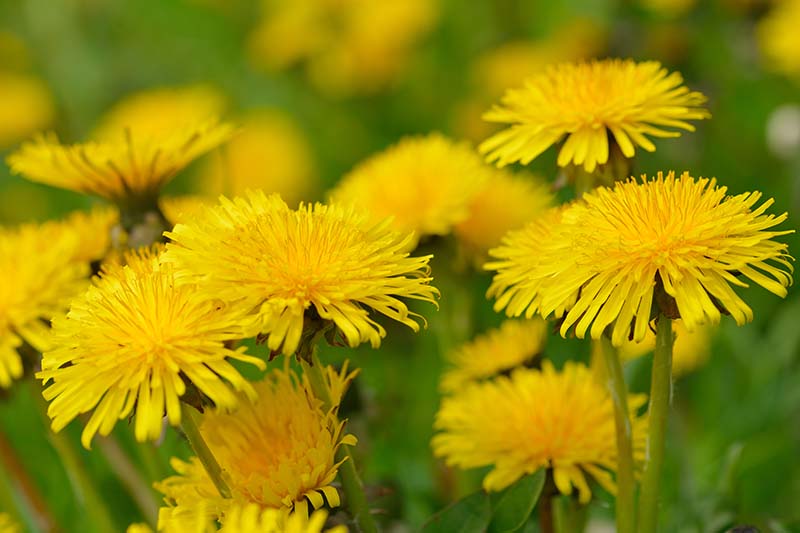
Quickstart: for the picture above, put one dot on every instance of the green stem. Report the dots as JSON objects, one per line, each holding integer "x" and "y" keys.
{"x": 351, "y": 482}
{"x": 8, "y": 503}
{"x": 191, "y": 429}
{"x": 660, "y": 392}
{"x": 82, "y": 483}
{"x": 31, "y": 503}
{"x": 570, "y": 516}
{"x": 129, "y": 476}
{"x": 625, "y": 508}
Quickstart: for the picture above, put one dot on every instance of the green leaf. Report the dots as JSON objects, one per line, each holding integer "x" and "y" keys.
{"x": 512, "y": 507}
{"x": 470, "y": 514}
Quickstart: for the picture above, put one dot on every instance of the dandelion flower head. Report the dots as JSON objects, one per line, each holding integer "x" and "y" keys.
{"x": 128, "y": 342}
{"x": 277, "y": 450}
{"x": 536, "y": 419}
{"x": 253, "y": 519}
{"x": 284, "y": 264}
{"x": 682, "y": 243}
{"x": 591, "y": 104}
{"x": 778, "y": 38}
{"x": 26, "y": 107}
{"x": 425, "y": 183}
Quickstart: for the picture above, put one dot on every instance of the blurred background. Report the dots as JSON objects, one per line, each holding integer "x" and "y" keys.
{"x": 317, "y": 85}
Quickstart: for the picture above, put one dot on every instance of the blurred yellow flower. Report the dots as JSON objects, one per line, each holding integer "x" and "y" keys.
{"x": 590, "y": 104}
{"x": 682, "y": 242}
{"x": 276, "y": 450}
{"x": 537, "y": 419}
{"x": 129, "y": 170}
{"x": 40, "y": 277}
{"x": 128, "y": 343}
{"x": 268, "y": 152}
{"x": 351, "y": 46}
{"x": 184, "y": 208}
{"x": 690, "y": 351}
{"x": 253, "y": 519}
{"x": 26, "y": 107}
{"x": 7, "y": 525}
{"x": 426, "y": 184}
{"x": 93, "y": 231}
{"x": 779, "y": 39}
{"x": 293, "y": 267}
{"x": 505, "y": 202}
{"x": 513, "y": 344}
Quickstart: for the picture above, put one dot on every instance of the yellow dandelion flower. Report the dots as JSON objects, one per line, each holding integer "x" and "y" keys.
{"x": 25, "y": 107}
{"x": 505, "y": 203}
{"x": 40, "y": 278}
{"x": 778, "y": 38}
{"x": 129, "y": 341}
{"x": 590, "y": 104}
{"x": 156, "y": 112}
{"x": 93, "y": 230}
{"x": 536, "y": 419}
{"x": 285, "y": 263}
{"x": 179, "y": 209}
{"x": 276, "y": 450}
{"x": 253, "y": 519}
{"x": 682, "y": 242}
{"x": 128, "y": 170}
{"x": 269, "y": 152}
{"x": 425, "y": 183}
{"x": 513, "y": 344}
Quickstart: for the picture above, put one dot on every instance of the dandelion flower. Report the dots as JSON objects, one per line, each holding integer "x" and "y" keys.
{"x": 284, "y": 264}
{"x": 681, "y": 242}
{"x": 253, "y": 519}
{"x": 513, "y": 344}
{"x": 129, "y": 170}
{"x": 778, "y": 38}
{"x": 536, "y": 419}
{"x": 425, "y": 183}
{"x": 506, "y": 202}
{"x": 592, "y": 104}
{"x": 130, "y": 340}
{"x": 40, "y": 277}
{"x": 25, "y": 107}
{"x": 277, "y": 451}
{"x": 93, "y": 230}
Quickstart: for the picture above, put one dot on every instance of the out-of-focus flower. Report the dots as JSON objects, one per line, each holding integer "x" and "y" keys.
{"x": 268, "y": 152}
{"x": 253, "y": 519}
{"x": 690, "y": 351}
{"x": 26, "y": 107}
{"x": 277, "y": 451}
{"x": 506, "y": 202}
{"x": 7, "y": 525}
{"x": 131, "y": 341}
{"x": 536, "y": 419}
{"x": 591, "y": 104}
{"x": 679, "y": 242}
{"x": 351, "y": 46}
{"x": 284, "y": 264}
{"x": 181, "y": 209}
{"x": 779, "y": 39}
{"x": 513, "y": 344}
{"x": 425, "y": 184}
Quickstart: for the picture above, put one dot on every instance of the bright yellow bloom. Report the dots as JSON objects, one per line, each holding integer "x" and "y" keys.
{"x": 7, "y": 525}
{"x": 277, "y": 451}
{"x": 536, "y": 419}
{"x": 682, "y": 242}
{"x": 425, "y": 183}
{"x": 269, "y": 152}
{"x": 286, "y": 264}
{"x": 506, "y": 202}
{"x": 130, "y": 340}
{"x": 158, "y": 112}
{"x": 40, "y": 277}
{"x": 179, "y": 209}
{"x": 129, "y": 169}
{"x": 589, "y": 103}
{"x": 778, "y": 38}
{"x": 25, "y": 107}
{"x": 253, "y": 519}
{"x": 93, "y": 230}
{"x": 513, "y": 344}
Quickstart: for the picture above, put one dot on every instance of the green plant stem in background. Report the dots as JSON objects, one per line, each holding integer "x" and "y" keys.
{"x": 570, "y": 516}
{"x": 353, "y": 487}
{"x": 626, "y": 484}
{"x": 129, "y": 476}
{"x": 8, "y": 503}
{"x": 82, "y": 483}
{"x": 660, "y": 392}
{"x": 191, "y": 429}
{"x": 14, "y": 478}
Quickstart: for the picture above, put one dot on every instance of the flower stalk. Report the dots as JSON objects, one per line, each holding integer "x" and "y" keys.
{"x": 660, "y": 392}
{"x": 191, "y": 429}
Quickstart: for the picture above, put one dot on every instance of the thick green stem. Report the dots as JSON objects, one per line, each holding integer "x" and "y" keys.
{"x": 351, "y": 482}
{"x": 660, "y": 392}
{"x": 82, "y": 483}
{"x": 626, "y": 507}
{"x": 191, "y": 429}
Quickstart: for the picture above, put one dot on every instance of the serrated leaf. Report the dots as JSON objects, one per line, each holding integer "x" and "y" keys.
{"x": 470, "y": 514}
{"x": 512, "y": 507}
